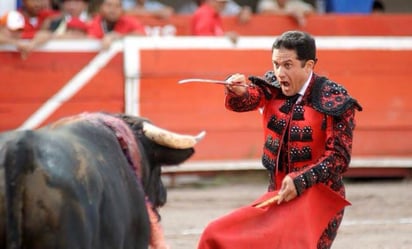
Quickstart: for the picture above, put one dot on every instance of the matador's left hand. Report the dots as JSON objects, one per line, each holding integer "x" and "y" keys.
{"x": 287, "y": 191}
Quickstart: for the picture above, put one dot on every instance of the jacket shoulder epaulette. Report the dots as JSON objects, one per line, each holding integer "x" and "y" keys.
{"x": 332, "y": 98}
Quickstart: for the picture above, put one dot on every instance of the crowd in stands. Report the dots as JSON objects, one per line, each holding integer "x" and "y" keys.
{"x": 37, "y": 21}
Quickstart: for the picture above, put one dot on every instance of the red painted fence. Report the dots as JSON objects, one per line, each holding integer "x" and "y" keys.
{"x": 378, "y": 77}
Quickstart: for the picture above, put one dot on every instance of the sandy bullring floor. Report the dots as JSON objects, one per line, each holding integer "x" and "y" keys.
{"x": 380, "y": 216}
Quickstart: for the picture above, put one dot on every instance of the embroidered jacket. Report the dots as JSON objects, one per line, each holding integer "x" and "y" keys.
{"x": 311, "y": 140}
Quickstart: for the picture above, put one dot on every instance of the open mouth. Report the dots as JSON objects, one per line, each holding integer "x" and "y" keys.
{"x": 285, "y": 85}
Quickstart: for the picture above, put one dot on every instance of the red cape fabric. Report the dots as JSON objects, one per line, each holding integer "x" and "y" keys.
{"x": 297, "y": 224}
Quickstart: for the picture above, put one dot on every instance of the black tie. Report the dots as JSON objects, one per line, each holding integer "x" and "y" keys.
{"x": 294, "y": 98}
{"x": 290, "y": 101}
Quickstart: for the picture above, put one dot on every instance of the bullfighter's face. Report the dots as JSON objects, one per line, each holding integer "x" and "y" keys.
{"x": 290, "y": 72}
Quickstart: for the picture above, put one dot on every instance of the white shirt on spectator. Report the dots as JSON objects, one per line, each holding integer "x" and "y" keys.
{"x": 290, "y": 6}
{"x": 231, "y": 8}
{"x": 148, "y": 5}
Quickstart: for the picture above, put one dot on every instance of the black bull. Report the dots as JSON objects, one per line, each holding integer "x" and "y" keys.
{"x": 72, "y": 185}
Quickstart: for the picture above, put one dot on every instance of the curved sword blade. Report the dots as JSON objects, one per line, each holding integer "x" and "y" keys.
{"x": 209, "y": 81}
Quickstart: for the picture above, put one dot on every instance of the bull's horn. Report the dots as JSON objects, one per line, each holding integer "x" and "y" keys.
{"x": 171, "y": 139}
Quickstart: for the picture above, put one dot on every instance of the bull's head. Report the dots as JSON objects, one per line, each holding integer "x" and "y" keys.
{"x": 159, "y": 147}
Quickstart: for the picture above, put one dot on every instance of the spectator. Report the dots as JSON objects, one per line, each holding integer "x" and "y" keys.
{"x": 244, "y": 13}
{"x": 35, "y": 13}
{"x": 71, "y": 23}
{"x": 295, "y": 8}
{"x": 148, "y": 8}
{"x": 11, "y": 26}
{"x": 378, "y": 7}
{"x": 55, "y": 4}
{"x": 111, "y": 23}
{"x": 207, "y": 20}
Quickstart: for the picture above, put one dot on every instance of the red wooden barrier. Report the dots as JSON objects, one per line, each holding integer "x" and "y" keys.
{"x": 379, "y": 79}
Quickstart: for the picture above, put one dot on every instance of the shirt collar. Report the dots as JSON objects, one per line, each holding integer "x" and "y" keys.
{"x": 304, "y": 87}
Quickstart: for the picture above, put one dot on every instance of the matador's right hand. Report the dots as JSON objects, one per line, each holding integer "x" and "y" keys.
{"x": 238, "y": 82}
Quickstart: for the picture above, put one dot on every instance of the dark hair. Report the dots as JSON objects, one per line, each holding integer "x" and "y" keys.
{"x": 378, "y": 6}
{"x": 301, "y": 42}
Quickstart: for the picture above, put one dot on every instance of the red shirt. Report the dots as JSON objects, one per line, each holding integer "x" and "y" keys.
{"x": 125, "y": 25}
{"x": 32, "y": 25}
{"x": 206, "y": 21}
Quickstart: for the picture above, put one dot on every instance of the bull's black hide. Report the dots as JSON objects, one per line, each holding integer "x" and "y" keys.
{"x": 71, "y": 185}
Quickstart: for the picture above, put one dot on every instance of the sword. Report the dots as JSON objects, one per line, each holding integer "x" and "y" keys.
{"x": 209, "y": 81}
